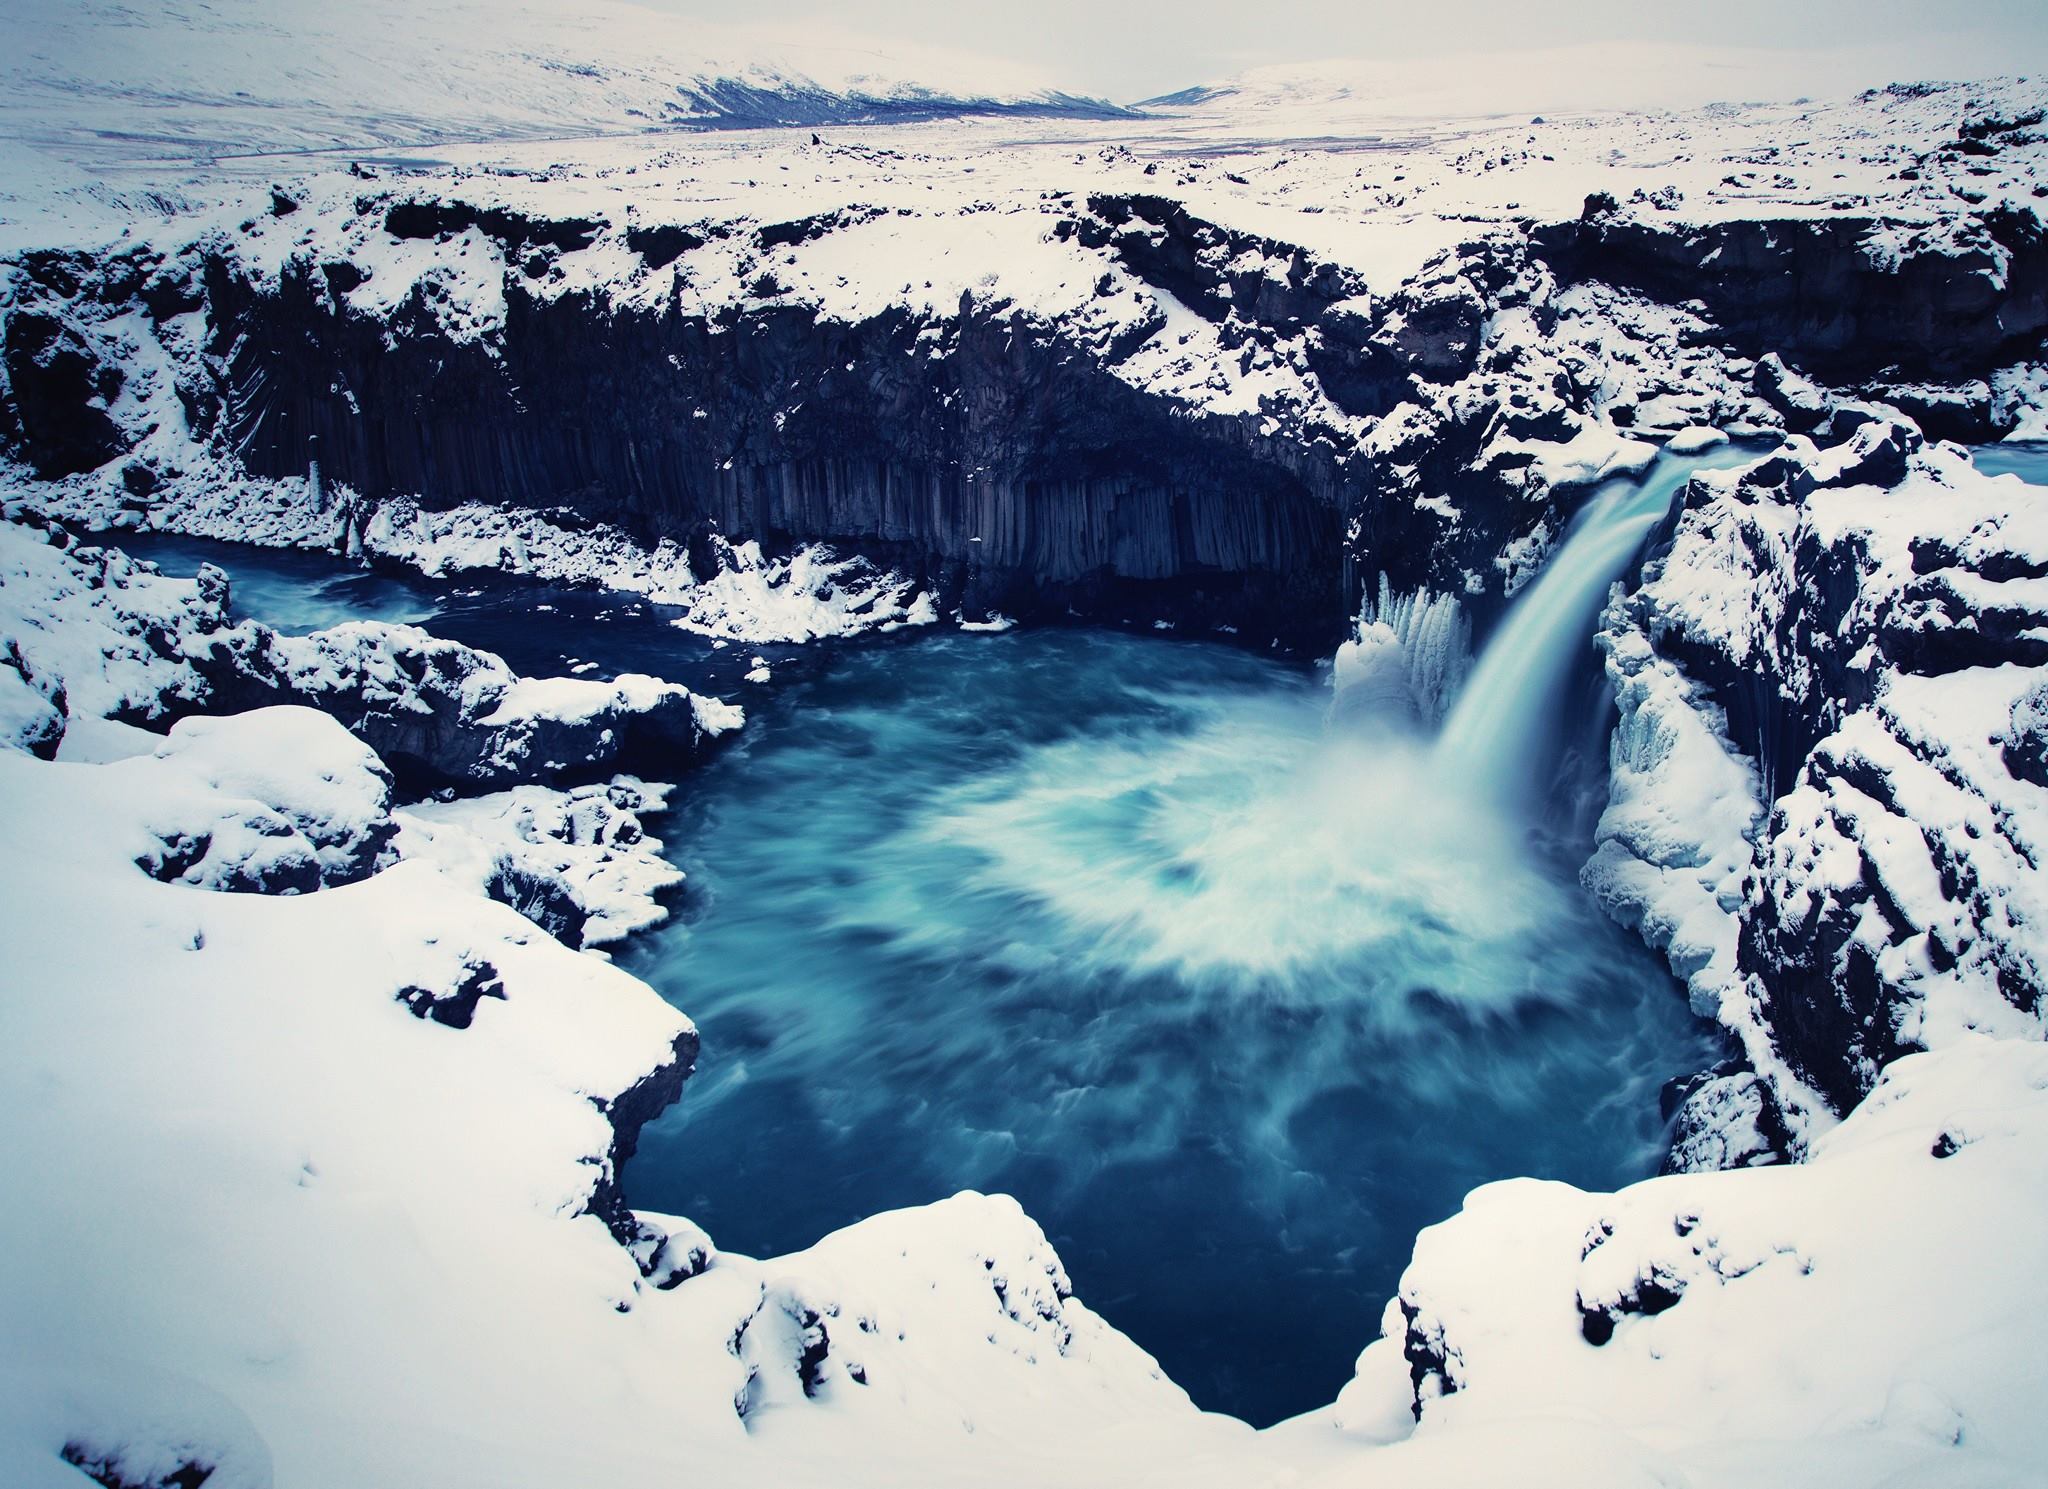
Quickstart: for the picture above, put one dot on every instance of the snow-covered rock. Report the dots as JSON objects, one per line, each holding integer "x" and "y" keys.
{"x": 277, "y": 801}
{"x": 440, "y": 712}
{"x": 576, "y": 862}
{"x": 94, "y": 633}
{"x": 1822, "y": 810}
{"x": 322, "y": 1190}
{"x": 1858, "y": 1318}
{"x": 87, "y": 632}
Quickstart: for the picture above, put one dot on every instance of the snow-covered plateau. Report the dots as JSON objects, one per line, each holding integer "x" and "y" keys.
{"x": 320, "y": 1080}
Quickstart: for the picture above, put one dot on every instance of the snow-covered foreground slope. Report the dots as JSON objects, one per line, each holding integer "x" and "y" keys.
{"x": 310, "y": 1204}
{"x": 1866, "y": 1317}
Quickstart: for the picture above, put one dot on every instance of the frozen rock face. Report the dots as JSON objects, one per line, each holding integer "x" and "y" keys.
{"x": 1093, "y": 384}
{"x": 1861, "y": 621}
{"x": 1852, "y": 299}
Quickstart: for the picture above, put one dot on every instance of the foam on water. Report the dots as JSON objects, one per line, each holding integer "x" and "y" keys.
{"x": 1233, "y": 1002}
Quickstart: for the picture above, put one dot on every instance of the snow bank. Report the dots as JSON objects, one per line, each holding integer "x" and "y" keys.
{"x": 311, "y": 1191}
{"x": 1720, "y": 1328}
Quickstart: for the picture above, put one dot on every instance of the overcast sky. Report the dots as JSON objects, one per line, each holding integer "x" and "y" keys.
{"x": 1129, "y": 49}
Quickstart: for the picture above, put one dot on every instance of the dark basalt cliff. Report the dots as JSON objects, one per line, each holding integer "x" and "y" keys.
{"x": 1002, "y": 463}
{"x": 1852, "y": 301}
{"x": 999, "y": 457}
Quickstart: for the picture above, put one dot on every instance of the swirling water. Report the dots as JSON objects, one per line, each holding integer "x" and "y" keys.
{"x": 1232, "y": 997}
{"x": 1232, "y": 1003}
{"x": 2027, "y": 459}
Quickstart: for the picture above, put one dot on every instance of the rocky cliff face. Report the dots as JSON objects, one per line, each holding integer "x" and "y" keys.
{"x": 995, "y": 460}
{"x": 1861, "y": 619}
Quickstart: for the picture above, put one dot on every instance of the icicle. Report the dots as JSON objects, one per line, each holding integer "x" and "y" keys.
{"x": 1418, "y": 640}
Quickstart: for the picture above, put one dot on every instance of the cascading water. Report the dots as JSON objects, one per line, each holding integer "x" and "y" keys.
{"x": 1493, "y": 741}
{"x": 1234, "y": 995}
{"x": 1234, "y": 992}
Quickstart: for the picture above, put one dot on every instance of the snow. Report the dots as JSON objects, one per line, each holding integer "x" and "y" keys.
{"x": 276, "y": 76}
{"x": 1943, "y": 1161}
{"x": 301, "y": 803}
{"x": 326, "y": 1185}
{"x": 586, "y": 844}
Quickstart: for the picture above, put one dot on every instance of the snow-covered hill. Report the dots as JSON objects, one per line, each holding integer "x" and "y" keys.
{"x": 200, "y": 78}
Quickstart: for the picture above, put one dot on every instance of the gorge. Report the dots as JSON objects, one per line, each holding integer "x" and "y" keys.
{"x": 1432, "y": 739}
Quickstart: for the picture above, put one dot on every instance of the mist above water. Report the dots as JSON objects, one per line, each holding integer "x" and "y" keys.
{"x": 1232, "y": 1000}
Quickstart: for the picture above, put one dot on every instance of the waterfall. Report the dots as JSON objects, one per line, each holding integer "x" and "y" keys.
{"x": 1494, "y": 741}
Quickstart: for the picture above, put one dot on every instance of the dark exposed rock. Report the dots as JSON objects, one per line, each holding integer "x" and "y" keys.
{"x": 542, "y": 899}
{"x": 663, "y": 244}
{"x": 61, "y": 389}
{"x": 628, "y": 1112}
{"x": 512, "y": 230}
{"x": 455, "y": 1007}
{"x": 1819, "y": 293}
{"x": 1013, "y": 473}
{"x": 111, "y": 1471}
{"x": 1652, "y": 1293}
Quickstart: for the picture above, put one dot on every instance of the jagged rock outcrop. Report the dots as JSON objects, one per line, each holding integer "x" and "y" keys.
{"x": 1862, "y": 620}
{"x": 444, "y": 714}
{"x": 1849, "y": 299}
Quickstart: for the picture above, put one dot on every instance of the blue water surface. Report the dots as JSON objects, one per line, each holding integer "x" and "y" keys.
{"x": 1234, "y": 1000}
{"x": 2027, "y": 459}
{"x": 1115, "y": 924}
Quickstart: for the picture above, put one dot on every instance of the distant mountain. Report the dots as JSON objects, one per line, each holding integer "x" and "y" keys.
{"x": 1331, "y": 95}
{"x": 100, "y": 78}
